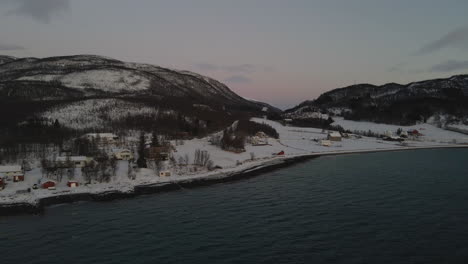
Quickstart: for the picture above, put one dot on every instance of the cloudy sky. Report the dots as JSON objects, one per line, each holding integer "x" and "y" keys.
{"x": 281, "y": 52}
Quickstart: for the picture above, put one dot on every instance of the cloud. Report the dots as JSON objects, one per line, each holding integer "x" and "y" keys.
{"x": 234, "y": 69}
{"x": 9, "y": 47}
{"x": 457, "y": 39}
{"x": 450, "y": 65}
{"x": 238, "y": 79}
{"x": 40, "y": 10}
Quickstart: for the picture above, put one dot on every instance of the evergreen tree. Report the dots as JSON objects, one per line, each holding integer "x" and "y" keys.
{"x": 155, "y": 140}
{"x": 141, "y": 162}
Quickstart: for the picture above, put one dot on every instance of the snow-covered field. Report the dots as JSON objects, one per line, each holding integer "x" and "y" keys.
{"x": 294, "y": 141}
{"x": 430, "y": 132}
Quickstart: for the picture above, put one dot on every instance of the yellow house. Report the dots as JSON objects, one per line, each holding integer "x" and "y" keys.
{"x": 122, "y": 154}
{"x": 165, "y": 174}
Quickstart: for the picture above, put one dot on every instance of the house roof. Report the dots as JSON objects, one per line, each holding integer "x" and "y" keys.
{"x": 103, "y": 135}
{"x": 44, "y": 180}
{"x": 120, "y": 150}
{"x": 334, "y": 134}
{"x": 73, "y": 158}
{"x": 11, "y": 168}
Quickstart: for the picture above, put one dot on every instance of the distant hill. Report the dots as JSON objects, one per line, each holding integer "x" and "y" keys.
{"x": 5, "y": 59}
{"x": 394, "y": 103}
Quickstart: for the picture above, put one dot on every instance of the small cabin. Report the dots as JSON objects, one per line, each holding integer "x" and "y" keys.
{"x": 122, "y": 154}
{"x": 326, "y": 143}
{"x": 48, "y": 184}
{"x": 158, "y": 153}
{"x": 334, "y": 136}
{"x": 102, "y": 138}
{"x": 260, "y": 139}
{"x": 72, "y": 184}
{"x": 18, "y": 178}
{"x": 165, "y": 174}
{"x": 2, "y": 184}
{"x": 14, "y": 173}
{"x": 72, "y": 161}
{"x": 414, "y": 133}
{"x": 404, "y": 134}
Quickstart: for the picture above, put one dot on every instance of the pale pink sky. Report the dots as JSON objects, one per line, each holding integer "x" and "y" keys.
{"x": 281, "y": 52}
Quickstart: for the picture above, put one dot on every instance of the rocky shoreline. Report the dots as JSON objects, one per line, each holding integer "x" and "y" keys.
{"x": 271, "y": 165}
{"x": 39, "y": 208}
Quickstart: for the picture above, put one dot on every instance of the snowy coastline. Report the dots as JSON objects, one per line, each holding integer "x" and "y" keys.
{"x": 241, "y": 172}
{"x": 299, "y": 144}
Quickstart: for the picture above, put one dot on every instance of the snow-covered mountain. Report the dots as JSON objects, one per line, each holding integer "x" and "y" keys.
{"x": 394, "y": 103}
{"x": 89, "y": 75}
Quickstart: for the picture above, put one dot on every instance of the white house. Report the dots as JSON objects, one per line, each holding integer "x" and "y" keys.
{"x": 325, "y": 143}
{"x": 404, "y": 134}
{"x": 14, "y": 172}
{"x": 260, "y": 139}
{"x": 73, "y": 161}
{"x": 165, "y": 174}
{"x": 122, "y": 154}
{"x": 102, "y": 138}
{"x": 334, "y": 136}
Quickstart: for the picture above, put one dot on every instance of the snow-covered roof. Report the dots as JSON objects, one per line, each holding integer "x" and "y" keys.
{"x": 73, "y": 158}
{"x": 120, "y": 150}
{"x": 44, "y": 180}
{"x": 102, "y": 135}
{"x": 334, "y": 134}
{"x": 11, "y": 168}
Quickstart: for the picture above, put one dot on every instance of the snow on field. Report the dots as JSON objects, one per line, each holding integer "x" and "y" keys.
{"x": 294, "y": 141}
{"x": 431, "y": 133}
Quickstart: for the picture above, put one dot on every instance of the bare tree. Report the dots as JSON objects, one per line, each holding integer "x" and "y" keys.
{"x": 131, "y": 171}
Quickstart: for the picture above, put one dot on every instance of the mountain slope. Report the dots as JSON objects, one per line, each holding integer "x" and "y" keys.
{"x": 88, "y": 75}
{"x": 394, "y": 103}
{"x": 5, "y": 59}
{"x": 42, "y": 100}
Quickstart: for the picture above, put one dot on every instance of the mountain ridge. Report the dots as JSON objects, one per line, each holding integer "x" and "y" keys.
{"x": 393, "y": 102}
{"x": 92, "y": 75}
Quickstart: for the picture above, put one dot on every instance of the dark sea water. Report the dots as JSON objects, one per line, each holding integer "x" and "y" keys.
{"x": 398, "y": 207}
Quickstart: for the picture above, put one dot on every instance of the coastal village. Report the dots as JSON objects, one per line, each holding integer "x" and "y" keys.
{"x": 120, "y": 164}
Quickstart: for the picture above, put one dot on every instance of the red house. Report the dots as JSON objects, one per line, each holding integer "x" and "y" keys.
{"x": 2, "y": 184}
{"x": 18, "y": 178}
{"x": 48, "y": 184}
{"x": 281, "y": 153}
{"x": 72, "y": 184}
{"x": 414, "y": 133}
